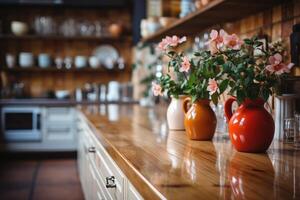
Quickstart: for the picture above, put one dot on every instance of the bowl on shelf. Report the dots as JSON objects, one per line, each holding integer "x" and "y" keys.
{"x": 68, "y": 61}
{"x": 80, "y": 62}
{"x": 166, "y": 21}
{"x": 44, "y": 60}
{"x": 107, "y": 55}
{"x": 10, "y": 60}
{"x": 59, "y": 62}
{"x": 19, "y": 28}
{"x": 62, "y": 94}
{"x": 26, "y": 59}
{"x": 115, "y": 30}
{"x": 94, "y": 62}
{"x": 153, "y": 24}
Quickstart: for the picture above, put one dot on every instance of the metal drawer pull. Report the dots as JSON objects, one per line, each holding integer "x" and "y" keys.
{"x": 92, "y": 149}
{"x": 110, "y": 182}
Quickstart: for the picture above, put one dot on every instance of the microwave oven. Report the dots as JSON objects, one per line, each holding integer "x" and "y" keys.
{"x": 21, "y": 124}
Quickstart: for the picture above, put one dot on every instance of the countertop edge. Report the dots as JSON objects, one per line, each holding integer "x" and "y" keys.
{"x": 143, "y": 186}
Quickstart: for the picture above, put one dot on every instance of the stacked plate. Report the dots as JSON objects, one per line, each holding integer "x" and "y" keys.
{"x": 107, "y": 55}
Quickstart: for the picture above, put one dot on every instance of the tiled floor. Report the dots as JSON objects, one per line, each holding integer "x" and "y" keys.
{"x": 40, "y": 180}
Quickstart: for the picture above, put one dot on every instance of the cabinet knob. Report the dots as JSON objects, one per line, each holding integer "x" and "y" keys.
{"x": 110, "y": 182}
{"x": 92, "y": 149}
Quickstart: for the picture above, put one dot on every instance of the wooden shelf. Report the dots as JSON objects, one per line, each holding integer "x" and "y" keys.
{"x": 53, "y": 69}
{"x": 216, "y": 12}
{"x": 57, "y": 37}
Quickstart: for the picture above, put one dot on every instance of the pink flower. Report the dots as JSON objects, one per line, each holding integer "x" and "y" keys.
{"x": 185, "y": 65}
{"x": 175, "y": 40}
{"x": 157, "y": 90}
{"x": 212, "y": 86}
{"x": 217, "y": 37}
{"x": 170, "y": 42}
{"x": 163, "y": 45}
{"x": 277, "y": 66}
{"x": 233, "y": 42}
{"x": 213, "y": 48}
{"x": 216, "y": 40}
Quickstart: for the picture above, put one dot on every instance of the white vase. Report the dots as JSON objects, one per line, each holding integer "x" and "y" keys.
{"x": 175, "y": 115}
{"x": 284, "y": 108}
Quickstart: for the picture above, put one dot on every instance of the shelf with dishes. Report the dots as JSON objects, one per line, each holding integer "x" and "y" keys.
{"x": 213, "y": 13}
{"x": 103, "y": 58}
{"x": 60, "y": 37}
{"x": 49, "y": 27}
{"x": 54, "y": 69}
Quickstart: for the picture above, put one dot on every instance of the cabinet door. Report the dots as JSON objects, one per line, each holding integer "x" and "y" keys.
{"x": 84, "y": 164}
{"x": 97, "y": 192}
{"x": 60, "y": 114}
{"x": 132, "y": 193}
{"x": 95, "y": 181}
{"x": 108, "y": 170}
{"x": 60, "y": 132}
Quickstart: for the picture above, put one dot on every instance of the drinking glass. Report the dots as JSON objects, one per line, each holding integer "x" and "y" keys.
{"x": 289, "y": 130}
{"x": 297, "y": 131}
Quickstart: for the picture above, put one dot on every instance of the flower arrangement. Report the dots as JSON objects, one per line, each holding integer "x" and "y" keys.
{"x": 228, "y": 63}
{"x": 179, "y": 63}
{"x": 199, "y": 77}
{"x": 250, "y": 76}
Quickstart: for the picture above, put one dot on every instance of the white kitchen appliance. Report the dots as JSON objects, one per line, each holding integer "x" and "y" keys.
{"x": 21, "y": 124}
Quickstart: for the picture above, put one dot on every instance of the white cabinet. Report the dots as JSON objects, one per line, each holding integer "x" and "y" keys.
{"x": 57, "y": 130}
{"x": 61, "y": 114}
{"x": 100, "y": 176}
{"x": 132, "y": 194}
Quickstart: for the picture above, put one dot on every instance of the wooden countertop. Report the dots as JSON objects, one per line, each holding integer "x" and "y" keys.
{"x": 166, "y": 164}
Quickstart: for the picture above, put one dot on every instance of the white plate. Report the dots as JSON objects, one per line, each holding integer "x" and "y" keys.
{"x": 106, "y": 55}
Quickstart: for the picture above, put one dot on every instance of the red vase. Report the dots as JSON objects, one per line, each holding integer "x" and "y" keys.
{"x": 251, "y": 127}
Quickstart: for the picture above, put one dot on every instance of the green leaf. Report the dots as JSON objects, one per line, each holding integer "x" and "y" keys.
{"x": 171, "y": 53}
{"x": 214, "y": 98}
{"x": 231, "y": 84}
{"x": 265, "y": 94}
{"x": 248, "y": 80}
{"x": 194, "y": 98}
{"x": 240, "y": 95}
{"x": 197, "y": 54}
{"x": 223, "y": 86}
{"x": 248, "y": 41}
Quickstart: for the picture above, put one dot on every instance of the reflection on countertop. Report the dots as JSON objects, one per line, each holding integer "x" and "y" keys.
{"x": 179, "y": 168}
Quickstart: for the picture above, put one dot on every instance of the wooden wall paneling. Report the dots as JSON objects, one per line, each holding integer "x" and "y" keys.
{"x": 276, "y": 32}
{"x": 287, "y": 22}
{"x": 38, "y": 82}
{"x": 296, "y": 7}
{"x": 276, "y": 14}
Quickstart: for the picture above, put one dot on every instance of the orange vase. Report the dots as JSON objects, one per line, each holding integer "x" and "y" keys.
{"x": 200, "y": 120}
{"x": 251, "y": 127}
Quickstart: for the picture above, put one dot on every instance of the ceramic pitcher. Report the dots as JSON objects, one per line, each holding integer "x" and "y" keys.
{"x": 251, "y": 127}
{"x": 175, "y": 115}
{"x": 200, "y": 120}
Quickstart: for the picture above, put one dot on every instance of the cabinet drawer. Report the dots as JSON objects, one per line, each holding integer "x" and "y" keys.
{"x": 60, "y": 114}
{"x": 107, "y": 170}
{"x": 59, "y": 131}
{"x": 96, "y": 192}
{"x": 133, "y": 194}
{"x": 102, "y": 192}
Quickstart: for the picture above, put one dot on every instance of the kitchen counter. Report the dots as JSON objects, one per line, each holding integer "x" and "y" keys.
{"x": 56, "y": 102}
{"x": 166, "y": 164}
